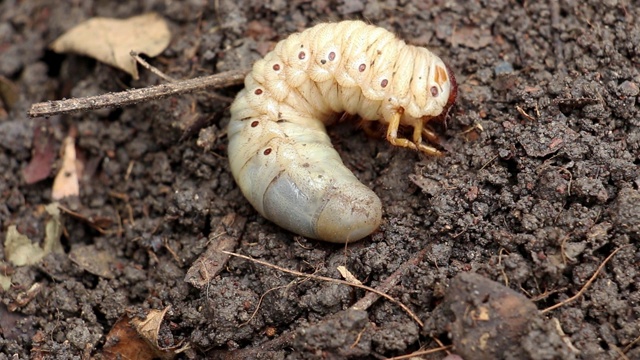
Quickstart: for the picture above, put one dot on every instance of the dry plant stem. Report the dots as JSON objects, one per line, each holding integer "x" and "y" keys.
{"x": 151, "y": 68}
{"x": 136, "y": 96}
{"x": 421, "y": 352}
{"x": 628, "y": 347}
{"x": 587, "y": 284}
{"x": 287, "y": 338}
{"x": 337, "y": 281}
{"x": 389, "y": 282}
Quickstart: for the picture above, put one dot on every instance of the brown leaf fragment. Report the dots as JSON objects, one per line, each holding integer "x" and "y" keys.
{"x": 151, "y": 330}
{"x": 111, "y": 40}
{"x": 42, "y": 157}
{"x": 135, "y": 338}
{"x": 224, "y": 238}
{"x": 124, "y": 342}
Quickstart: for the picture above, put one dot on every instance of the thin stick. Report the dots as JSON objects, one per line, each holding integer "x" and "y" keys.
{"x": 587, "y": 284}
{"x": 388, "y": 283}
{"x": 255, "y": 312}
{"x": 628, "y": 347}
{"x": 135, "y": 96}
{"x": 151, "y": 68}
{"x": 337, "y": 281}
{"x": 421, "y": 352}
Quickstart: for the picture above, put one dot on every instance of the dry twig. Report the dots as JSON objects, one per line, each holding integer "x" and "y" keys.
{"x": 388, "y": 283}
{"x": 587, "y": 284}
{"x": 369, "y": 299}
{"x": 421, "y": 352}
{"x": 337, "y": 281}
{"x": 151, "y": 68}
{"x": 136, "y": 96}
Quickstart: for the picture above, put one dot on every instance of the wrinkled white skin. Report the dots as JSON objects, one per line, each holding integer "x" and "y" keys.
{"x": 280, "y": 154}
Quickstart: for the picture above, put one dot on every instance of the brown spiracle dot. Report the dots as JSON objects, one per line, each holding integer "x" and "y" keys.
{"x": 255, "y": 123}
{"x": 267, "y": 151}
{"x": 434, "y": 91}
{"x": 258, "y": 92}
{"x": 276, "y": 67}
{"x": 332, "y": 56}
{"x": 301, "y": 55}
{"x": 384, "y": 83}
{"x": 362, "y": 67}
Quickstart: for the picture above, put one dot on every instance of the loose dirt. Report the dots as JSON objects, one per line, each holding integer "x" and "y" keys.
{"x": 540, "y": 183}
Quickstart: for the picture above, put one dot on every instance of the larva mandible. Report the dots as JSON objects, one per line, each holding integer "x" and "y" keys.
{"x": 280, "y": 154}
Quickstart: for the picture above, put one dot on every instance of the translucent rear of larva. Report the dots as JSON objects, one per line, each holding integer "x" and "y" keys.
{"x": 300, "y": 183}
{"x": 279, "y": 151}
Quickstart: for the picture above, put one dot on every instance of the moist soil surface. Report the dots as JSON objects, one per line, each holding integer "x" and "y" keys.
{"x": 538, "y": 185}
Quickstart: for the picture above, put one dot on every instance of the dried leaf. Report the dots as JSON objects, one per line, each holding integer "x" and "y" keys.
{"x": 93, "y": 261}
{"x": 347, "y": 275}
{"x": 149, "y": 328}
{"x": 123, "y": 342}
{"x": 66, "y": 182}
{"x": 19, "y": 250}
{"x": 138, "y": 339}
{"x": 43, "y": 154}
{"x": 111, "y": 40}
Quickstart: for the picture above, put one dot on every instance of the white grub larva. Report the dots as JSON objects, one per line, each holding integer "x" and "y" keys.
{"x": 280, "y": 154}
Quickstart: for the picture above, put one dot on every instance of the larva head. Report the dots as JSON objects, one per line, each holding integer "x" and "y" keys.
{"x": 443, "y": 87}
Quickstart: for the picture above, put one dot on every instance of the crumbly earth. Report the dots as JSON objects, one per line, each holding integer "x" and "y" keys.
{"x": 540, "y": 183}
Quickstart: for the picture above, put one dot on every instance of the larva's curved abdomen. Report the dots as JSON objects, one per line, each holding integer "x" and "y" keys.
{"x": 279, "y": 151}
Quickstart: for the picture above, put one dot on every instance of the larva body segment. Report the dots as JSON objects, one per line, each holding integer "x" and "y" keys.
{"x": 280, "y": 154}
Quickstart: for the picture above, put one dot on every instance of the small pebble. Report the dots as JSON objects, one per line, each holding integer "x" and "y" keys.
{"x": 503, "y": 68}
{"x": 628, "y": 88}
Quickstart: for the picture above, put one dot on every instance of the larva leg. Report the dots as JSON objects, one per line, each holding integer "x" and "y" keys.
{"x": 392, "y": 137}
{"x": 417, "y": 133}
{"x": 392, "y": 132}
{"x": 430, "y": 135}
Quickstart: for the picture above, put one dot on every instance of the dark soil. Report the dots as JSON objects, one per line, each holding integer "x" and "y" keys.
{"x": 537, "y": 200}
